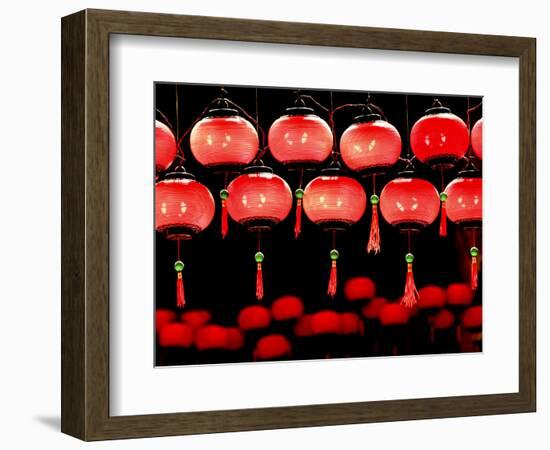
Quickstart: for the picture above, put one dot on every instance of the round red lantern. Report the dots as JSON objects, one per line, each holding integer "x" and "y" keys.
{"x": 166, "y": 147}
{"x": 196, "y": 318}
{"x": 439, "y": 138}
{"x": 211, "y": 337}
{"x": 370, "y": 145}
{"x": 300, "y": 138}
{"x": 372, "y": 309}
{"x": 287, "y": 307}
{"x": 394, "y": 314}
{"x": 477, "y": 138}
{"x": 359, "y": 288}
{"x": 472, "y": 317}
{"x": 464, "y": 201}
{"x": 224, "y": 140}
{"x": 430, "y": 297}
{"x": 163, "y": 317}
{"x": 176, "y": 334}
{"x": 459, "y": 294}
{"x": 325, "y": 322}
{"x": 350, "y": 323}
{"x": 253, "y": 318}
{"x": 235, "y": 338}
{"x": 273, "y": 346}
{"x": 443, "y": 319}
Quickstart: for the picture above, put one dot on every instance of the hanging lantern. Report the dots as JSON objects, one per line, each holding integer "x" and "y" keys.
{"x": 273, "y": 346}
{"x": 477, "y": 138}
{"x": 409, "y": 204}
{"x": 431, "y": 297}
{"x": 176, "y": 334}
{"x": 183, "y": 208}
{"x": 350, "y": 323}
{"x": 393, "y": 314}
{"x": 334, "y": 202}
{"x": 372, "y": 310}
{"x": 439, "y": 138}
{"x": 235, "y": 338}
{"x": 325, "y": 322}
{"x": 224, "y": 140}
{"x": 359, "y": 288}
{"x": 472, "y": 318}
{"x": 459, "y": 294}
{"x": 163, "y": 317}
{"x": 166, "y": 147}
{"x": 196, "y": 318}
{"x": 287, "y": 307}
{"x": 464, "y": 207}
{"x": 253, "y": 318}
{"x": 259, "y": 200}
{"x": 211, "y": 337}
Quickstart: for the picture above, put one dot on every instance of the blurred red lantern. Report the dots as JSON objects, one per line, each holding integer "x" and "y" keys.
{"x": 372, "y": 309}
{"x": 394, "y": 314}
{"x": 350, "y": 323}
{"x": 443, "y": 319}
{"x": 254, "y": 317}
{"x": 303, "y": 326}
{"x": 439, "y": 138}
{"x": 287, "y": 307}
{"x": 211, "y": 337}
{"x": 472, "y": 317}
{"x": 224, "y": 140}
{"x": 166, "y": 147}
{"x": 325, "y": 322}
{"x": 459, "y": 294}
{"x": 431, "y": 297}
{"x": 300, "y": 138}
{"x": 464, "y": 201}
{"x": 235, "y": 338}
{"x": 176, "y": 334}
{"x": 477, "y": 138}
{"x": 163, "y": 317}
{"x": 359, "y": 288}
{"x": 273, "y": 346}
{"x": 370, "y": 145}
{"x": 196, "y": 318}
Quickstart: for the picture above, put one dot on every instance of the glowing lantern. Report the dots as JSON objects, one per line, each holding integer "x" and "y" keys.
{"x": 477, "y": 138}
{"x": 439, "y": 138}
{"x": 409, "y": 204}
{"x": 325, "y": 322}
{"x": 176, "y": 334}
{"x": 287, "y": 307}
{"x": 464, "y": 207}
{"x": 430, "y": 297}
{"x": 211, "y": 337}
{"x": 394, "y": 314}
{"x": 372, "y": 310}
{"x": 259, "y": 200}
{"x": 235, "y": 338}
{"x": 459, "y": 294}
{"x": 350, "y": 323}
{"x": 359, "y": 288}
{"x": 183, "y": 208}
{"x": 163, "y": 317}
{"x": 196, "y": 318}
{"x": 253, "y": 318}
{"x": 273, "y": 346}
{"x": 166, "y": 147}
{"x": 443, "y": 319}
{"x": 472, "y": 317}
{"x": 334, "y": 202}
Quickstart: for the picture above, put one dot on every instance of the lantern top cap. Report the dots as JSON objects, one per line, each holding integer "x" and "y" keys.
{"x": 365, "y": 118}
{"x": 469, "y": 172}
{"x": 258, "y": 167}
{"x": 437, "y": 108}
{"x": 222, "y": 112}
{"x": 299, "y": 111}
{"x": 179, "y": 173}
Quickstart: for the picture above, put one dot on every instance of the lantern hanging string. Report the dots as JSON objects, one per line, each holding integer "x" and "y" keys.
{"x": 165, "y": 118}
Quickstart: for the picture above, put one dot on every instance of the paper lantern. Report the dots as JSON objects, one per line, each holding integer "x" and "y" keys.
{"x": 273, "y": 346}
{"x": 325, "y": 322}
{"x": 235, "y": 338}
{"x": 477, "y": 138}
{"x": 372, "y": 310}
{"x": 459, "y": 294}
{"x": 394, "y": 314}
{"x": 163, "y": 317}
{"x": 224, "y": 140}
{"x": 166, "y": 147}
{"x": 176, "y": 334}
{"x": 254, "y": 317}
{"x": 300, "y": 138}
{"x": 211, "y": 337}
{"x": 359, "y": 288}
{"x": 350, "y": 323}
{"x": 430, "y": 297}
{"x": 287, "y": 307}
{"x": 370, "y": 145}
{"x": 196, "y": 318}
{"x": 472, "y": 317}
{"x": 439, "y": 138}
{"x": 443, "y": 319}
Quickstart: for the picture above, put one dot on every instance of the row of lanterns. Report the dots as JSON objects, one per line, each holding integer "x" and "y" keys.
{"x": 259, "y": 199}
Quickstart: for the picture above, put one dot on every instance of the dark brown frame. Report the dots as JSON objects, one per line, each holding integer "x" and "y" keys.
{"x": 85, "y": 224}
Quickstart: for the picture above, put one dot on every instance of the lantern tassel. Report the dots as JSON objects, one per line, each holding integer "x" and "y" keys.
{"x": 180, "y": 292}
{"x": 443, "y": 220}
{"x": 224, "y": 223}
{"x": 333, "y": 280}
{"x": 474, "y": 252}
{"x": 298, "y": 223}
{"x": 410, "y": 296}
{"x": 374, "y": 238}
{"x": 259, "y": 282}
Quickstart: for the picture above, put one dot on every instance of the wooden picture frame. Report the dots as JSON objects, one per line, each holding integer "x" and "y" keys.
{"x": 85, "y": 224}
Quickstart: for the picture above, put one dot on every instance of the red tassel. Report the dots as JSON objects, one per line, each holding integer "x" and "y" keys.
{"x": 443, "y": 220}
{"x": 259, "y": 282}
{"x": 225, "y": 226}
{"x": 410, "y": 296}
{"x": 180, "y": 293}
{"x": 374, "y": 238}
{"x": 298, "y": 223}
{"x": 333, "y": 280}
{"x": 473, "y": 273}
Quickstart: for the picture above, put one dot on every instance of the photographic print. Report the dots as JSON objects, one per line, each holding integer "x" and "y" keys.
{"x": 298, "y": 224}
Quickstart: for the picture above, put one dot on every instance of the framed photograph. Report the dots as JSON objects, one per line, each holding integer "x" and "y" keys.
{"x": 270, "y": 225}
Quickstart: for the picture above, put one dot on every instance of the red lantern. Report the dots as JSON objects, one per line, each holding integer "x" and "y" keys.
{"x": 300, "y": 138}
{"x": 439, "y": 138}
{"x": 394, "y": 314}
{"x": 224, "y": 140}
{"x": 370, "y": 145}
{"x": 196, "y": 318}
{"x": 165, "y": 147}
{"x": 459, "y": 294}
{"x": 325, "y": 322}
{"x": 287, "y": 307}
{"x": 235, "y": 338}
{"x": 430, "y": 297}
{"x": 350, "y": 323}
{"x": 472, "y": 317}
{"x": 477, "y": 138}
{"x": 443, "y": 319}
{"x": 273, "y": 346}
{"x": 409, "y": 204}
{"x": 163, "y": 317}
{"x": 359, "y": 288}
{"x": 211, "y": 337}
{"x": 183, "y": 208}
{"x": 253, "y": 318}
{"x": 372, "y": 309}
{"x": 176, "y": 334}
